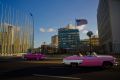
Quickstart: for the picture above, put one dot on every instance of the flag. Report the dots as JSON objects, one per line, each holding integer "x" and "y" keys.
{"x": 80, "y": 22}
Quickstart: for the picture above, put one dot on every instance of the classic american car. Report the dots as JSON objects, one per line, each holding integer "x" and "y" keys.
{"x": 34, "y": 56}
{"x": 105, "y": 61}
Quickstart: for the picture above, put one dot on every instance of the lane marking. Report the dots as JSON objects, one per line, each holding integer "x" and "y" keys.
{"x": 56, "y": 67}
{"x": 63, "y": 77}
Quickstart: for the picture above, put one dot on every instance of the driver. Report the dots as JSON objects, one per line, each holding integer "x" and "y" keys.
{"x": 80, "y": 54}
{"x": 94, "y": 54}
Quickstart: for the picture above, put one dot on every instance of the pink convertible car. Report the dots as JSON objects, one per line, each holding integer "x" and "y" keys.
{"x": 34, "y": 56}
{"x": 105, "y": 61}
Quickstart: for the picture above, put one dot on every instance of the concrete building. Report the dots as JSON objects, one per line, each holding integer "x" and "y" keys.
{"x": 12, "y": 40}
{"x": 48, "y": 49}
{"x": 53, "y": 48}
{"x": 68, "y": 38}
{"x": 94, "y": 41}
{"x": 54, "y": 41}
{"x": 84, "y": 44}
{"x": 108, "y": 16}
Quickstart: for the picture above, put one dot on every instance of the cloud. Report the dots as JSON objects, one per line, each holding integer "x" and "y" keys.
{"x": 42, "y": 30}
{"x": 51, "y": 30}
{"x": 35, "y": 41}
{"x": 96, "y": 32}
{"x": 85, "y": 31}
{"x": 47, "y": 30}
{"x": 82, "y": 27}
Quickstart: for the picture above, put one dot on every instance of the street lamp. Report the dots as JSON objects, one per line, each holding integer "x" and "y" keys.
{"x": 89, "y": 34}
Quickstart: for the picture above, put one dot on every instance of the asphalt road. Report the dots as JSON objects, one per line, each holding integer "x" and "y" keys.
{"x": 17, "y": 69}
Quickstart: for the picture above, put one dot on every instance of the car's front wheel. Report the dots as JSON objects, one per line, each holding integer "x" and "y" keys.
{"x": 74, "y": 64}
{"x": 37, "y": 58}
{"x": 107, "y": 65}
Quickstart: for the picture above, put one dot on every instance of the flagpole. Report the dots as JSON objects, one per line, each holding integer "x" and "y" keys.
{"x": 75, "y": 24}
{"x": 33, "y": 30}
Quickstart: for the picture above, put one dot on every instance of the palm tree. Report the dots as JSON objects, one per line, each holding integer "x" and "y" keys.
{"x": 89, "y": 34}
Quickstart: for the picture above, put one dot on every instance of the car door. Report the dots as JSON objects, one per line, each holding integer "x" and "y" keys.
{"x": 91, "y": 61}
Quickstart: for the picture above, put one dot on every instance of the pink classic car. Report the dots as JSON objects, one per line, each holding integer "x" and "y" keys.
{"x": 104, "y": 61}
{"x": 34, "y": 56}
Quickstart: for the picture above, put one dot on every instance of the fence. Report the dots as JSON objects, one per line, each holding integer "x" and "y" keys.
{"x": 16, "y": 30}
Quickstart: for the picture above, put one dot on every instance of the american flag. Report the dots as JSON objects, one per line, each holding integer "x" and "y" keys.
{"x": 80, "y": 22}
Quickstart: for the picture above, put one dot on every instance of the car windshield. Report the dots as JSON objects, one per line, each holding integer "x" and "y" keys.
{"x": 87, "y": 54}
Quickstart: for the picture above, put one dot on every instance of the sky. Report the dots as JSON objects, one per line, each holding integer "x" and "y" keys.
{"x": 50, "y": 15}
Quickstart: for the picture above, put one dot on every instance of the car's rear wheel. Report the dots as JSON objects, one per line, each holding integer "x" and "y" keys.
{"x": 107, "y": 65}
{"x": 37, "y": 58}
{"x": 74, "y": 64}
{"x": 24, "y": 58}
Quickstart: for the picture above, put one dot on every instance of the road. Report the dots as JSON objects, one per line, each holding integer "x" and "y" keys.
{"x": 18, "y": 69}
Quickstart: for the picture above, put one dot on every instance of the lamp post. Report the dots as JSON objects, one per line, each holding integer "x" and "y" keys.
{"x": 33, "y": 30}
{"x": 89, "y": 34}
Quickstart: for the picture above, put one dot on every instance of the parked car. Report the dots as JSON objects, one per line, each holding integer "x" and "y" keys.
{"x": 105, "y": 61}
{"x": 34, "y": 56}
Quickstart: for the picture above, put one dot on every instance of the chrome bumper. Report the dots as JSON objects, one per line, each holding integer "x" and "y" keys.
{"x": 116, "y": 64}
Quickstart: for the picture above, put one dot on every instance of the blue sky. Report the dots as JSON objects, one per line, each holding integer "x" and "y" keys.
{"x": 49, "y": 15}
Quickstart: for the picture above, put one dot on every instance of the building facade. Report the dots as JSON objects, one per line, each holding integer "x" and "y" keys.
{"x": 54, "y": 41}
{"x": 16, "y": 31}
{"x": 68, "y": 39}
{"x": 108, "y": 16}
{"x": 85, "y": 44}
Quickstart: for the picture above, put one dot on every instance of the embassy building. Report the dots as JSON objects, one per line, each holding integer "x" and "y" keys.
{"x": 68, "y": 39}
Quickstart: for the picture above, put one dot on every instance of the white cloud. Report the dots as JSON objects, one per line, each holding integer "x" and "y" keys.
{"x": 96, "y": 32}
{"x": 51, "y": 30}
{"x": 85, "y": 31}
{"x": 42, "y": 30}
{"x": 82, "y": 27}
{"x": 47, "y": 30}
{"x": 35, "y": 41}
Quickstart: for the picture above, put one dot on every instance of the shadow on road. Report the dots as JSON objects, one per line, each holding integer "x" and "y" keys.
{"x": 49, "y": 70}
